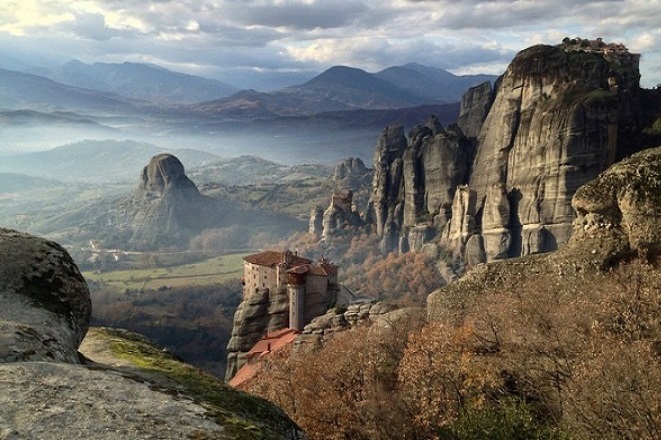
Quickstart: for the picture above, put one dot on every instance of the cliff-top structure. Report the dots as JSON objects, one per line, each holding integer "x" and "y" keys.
{"x": 281, "y": 290}
{"x": 499, "y": 183}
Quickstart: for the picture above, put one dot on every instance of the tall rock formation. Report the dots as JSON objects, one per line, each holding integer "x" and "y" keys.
{"x": 165, "y": 210}
{"x": 415, "y": 178}
{"x": 351, "y": 184}
{"x": 387, "y": 178}
{"x": 560, "y": 116}
{"x": 475, "y": 106}
{"x": 556, "y": 123}
{"x": 618, "y": 215}
{"x": 340, "y": 214}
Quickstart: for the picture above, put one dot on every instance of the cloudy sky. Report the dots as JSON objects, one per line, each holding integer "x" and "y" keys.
{"x": 236, "y": 39}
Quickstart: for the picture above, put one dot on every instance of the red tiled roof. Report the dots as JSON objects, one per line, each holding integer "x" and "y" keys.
{"x": 299, "y": 270}
{"x": 272, "y": 258}
{"x": 274, "y": 341}
{"x": 244, "y": 373}
{"x": 268, "y": 344}
{"x": 323, "y": 269}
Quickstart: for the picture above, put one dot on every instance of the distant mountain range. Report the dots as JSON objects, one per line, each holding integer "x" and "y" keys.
{"x": 24, "y": 91}
{"x": 336, "y": 112}
{"x": 144, "y": 82}
{"x": 103, "y": 88}
{"x": 345, "y": 88}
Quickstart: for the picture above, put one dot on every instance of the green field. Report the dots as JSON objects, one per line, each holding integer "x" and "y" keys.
{"x": 203, "y": 273}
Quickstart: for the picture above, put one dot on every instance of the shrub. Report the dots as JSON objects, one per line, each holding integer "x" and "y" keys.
{"x": 510, "y": 419}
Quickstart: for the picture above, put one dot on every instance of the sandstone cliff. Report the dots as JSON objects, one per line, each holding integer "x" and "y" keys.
{"x": 558, "y": 118}
{"x": 166, "y": 208}
{"x": 351, "y": 183}
{"x": 121, "y": 386}
{"x": 262, "y": 312}
{"x": 617, "y": 216}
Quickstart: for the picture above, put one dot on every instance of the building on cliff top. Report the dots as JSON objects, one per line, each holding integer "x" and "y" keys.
{"x": 311, "y": 287}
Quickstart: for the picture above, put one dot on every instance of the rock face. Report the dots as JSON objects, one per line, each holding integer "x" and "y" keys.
{"x": 130, "y": 388}
{"x": 264, "y": 311}
{"x": 625, "y": 200}
{"x": 415, "y": 178}
{"x": 340, "y": 214}
{"x": 618, "y": 214}
{"x": 558, "y": 118}
{"x": 166, "y": 208}
{"x": 351, "y": 177}
{"x": 45, "y": 301}
{"x": 475, "y": 106}
{"x": 555, "y": 124}
{"x": 350, "y": 173}
{"x": 337, "y": 320}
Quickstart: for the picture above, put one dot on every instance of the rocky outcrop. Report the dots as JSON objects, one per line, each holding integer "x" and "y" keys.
{"x": 44, "y": 304}
{"x": 166, "y": 209}
{"x": 558, "y": 118}
{"x": 383, "y": 207}
{"x": 316, "y": 225}
{"x": 351, "y": 183}
{"x": 351, "y": 173}
{"x": 475, "y": 106}
{"x": 618, "y": 215}
{"x": 556, "y": 122}
{"x": 420, "y": 174}
{"x": 336, "y": 320}
{"x": 341, "y": 214}
{"x": 121, "y": 386}
{"x": 262, "y": 311}
{"x": 624, "y": 201}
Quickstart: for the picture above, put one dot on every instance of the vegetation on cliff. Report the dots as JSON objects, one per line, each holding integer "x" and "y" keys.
{"x": 551, "y": 356}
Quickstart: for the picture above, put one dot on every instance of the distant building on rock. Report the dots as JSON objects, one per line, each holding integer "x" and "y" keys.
{"x": 311, "y": 287}
{"x": 282, "y": 293}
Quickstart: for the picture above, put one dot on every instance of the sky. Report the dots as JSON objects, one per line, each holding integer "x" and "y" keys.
{"x": 240, "y": 40}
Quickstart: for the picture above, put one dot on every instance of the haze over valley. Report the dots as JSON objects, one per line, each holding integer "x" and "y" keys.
{"x": 334, "y": 115}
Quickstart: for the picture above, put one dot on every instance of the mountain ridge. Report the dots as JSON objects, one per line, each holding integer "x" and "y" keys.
{"x": 147, "y": 82}
{"x": 342, "y": 88}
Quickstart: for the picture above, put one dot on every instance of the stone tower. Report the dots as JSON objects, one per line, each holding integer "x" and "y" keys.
{"x": 296, "y": 292}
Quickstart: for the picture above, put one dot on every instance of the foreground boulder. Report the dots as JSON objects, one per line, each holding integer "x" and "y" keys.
{"x": 121, "y": 386}
{"x": 44, "y": 302}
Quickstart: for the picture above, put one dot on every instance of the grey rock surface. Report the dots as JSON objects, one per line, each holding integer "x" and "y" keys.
{"x": 166, "y": 209}
{"x": 625, "y": 200}
{"x": 333, "y": 321}
{"x": 45, "y": 305}
{"x": 555, "y": 124}
{"x": 387, "y": 176}
{"x": 475, "y": 106}
{"x": 556, "y": 120}
{"x": 57, "y": 401}
{"x": 617, "y": 215}
{"x": 263, "y": 311}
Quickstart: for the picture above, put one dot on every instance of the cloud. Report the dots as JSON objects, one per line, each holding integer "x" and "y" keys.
{"x": 307, "y": 35}
{"x": 295, "y": 14}
{"x": 20, "y": 17}
{"x": 376, "y": 54}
